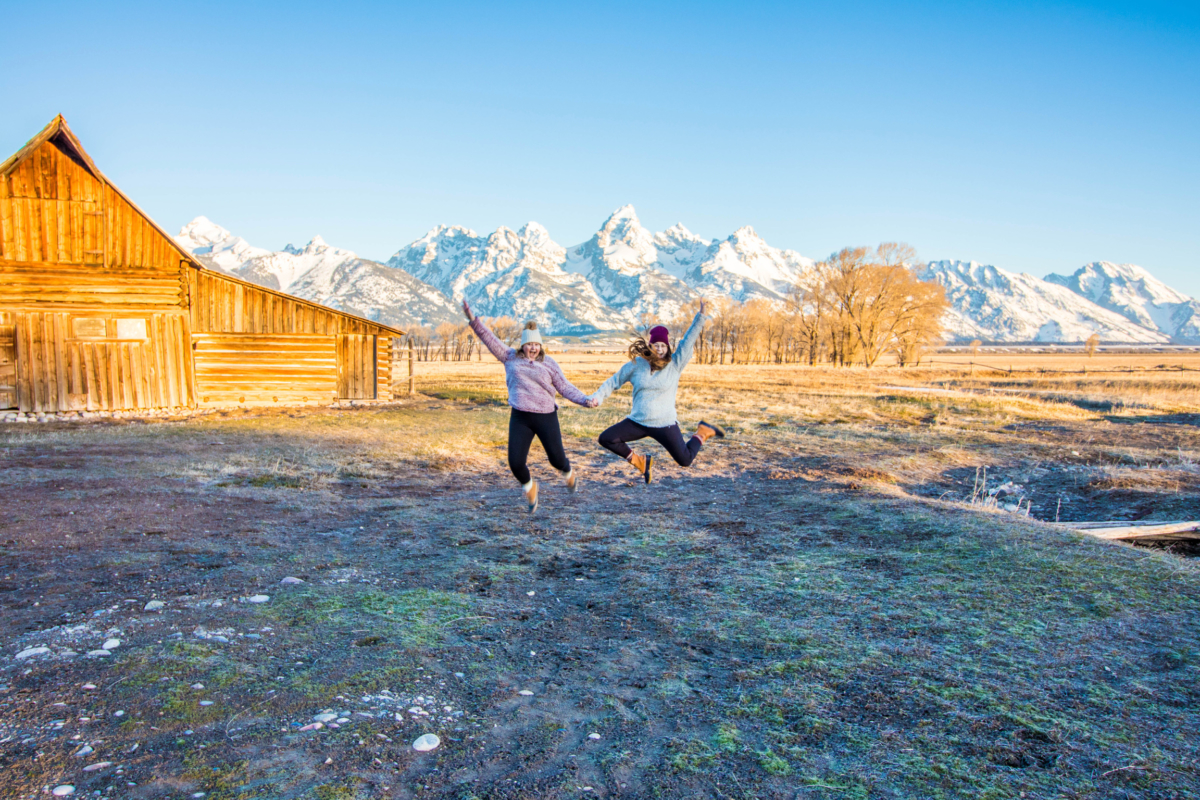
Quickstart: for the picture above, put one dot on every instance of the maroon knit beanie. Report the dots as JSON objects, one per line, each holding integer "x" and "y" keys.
{"x": 659, "y": 333}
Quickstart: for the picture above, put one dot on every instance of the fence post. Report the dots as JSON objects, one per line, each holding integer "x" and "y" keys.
{"x": 411, "y": 380}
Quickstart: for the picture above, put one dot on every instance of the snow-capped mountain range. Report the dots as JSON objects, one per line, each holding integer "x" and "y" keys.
{"x": 626, "y": 273}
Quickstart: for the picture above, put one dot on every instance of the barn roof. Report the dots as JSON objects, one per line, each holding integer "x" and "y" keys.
{"x": 62, "y": 137}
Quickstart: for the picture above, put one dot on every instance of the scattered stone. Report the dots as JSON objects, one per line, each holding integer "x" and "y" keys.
{"x": 99, "y": 653}
{"x": 525, "y": 693}
{"x": 97, "y": 765}
{"x": 206, "y": 702}
{"x": 593, "y": 736}
{"x": 197, "y": 686}
{"x": 30, "y": 652}
{"x": 531, "y": 594}
{"x": 118, "y": 713}
{"x": 329, "y": 761}
{"x": 313, "y": 726}
{"x": 154, "y": 605}
{"x": 343, "y": 720}
{"x": 460, "y": 675}
{"x": 63, "y": 790}
{"x": 111, "y": 644}
{"x": 84, "y": 751}
{"x": 258, "y": 598}
{"x": 290, "y": 580}
{"x": 325, "y": 717}
{"x": 426, "y": 743}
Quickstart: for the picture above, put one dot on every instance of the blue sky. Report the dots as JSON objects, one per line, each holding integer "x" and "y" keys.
{"x": 1034, "y": 136}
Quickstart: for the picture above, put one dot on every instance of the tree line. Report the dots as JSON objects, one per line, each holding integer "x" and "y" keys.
{"x": 852, "y": 308}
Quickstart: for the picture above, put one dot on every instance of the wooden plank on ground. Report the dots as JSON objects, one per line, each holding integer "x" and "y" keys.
{"x": 1122, "y": 530}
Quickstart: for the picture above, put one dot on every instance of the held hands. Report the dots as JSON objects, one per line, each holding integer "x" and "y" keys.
{"x": 467, "y": 311}
{"x": 593, "y": 403}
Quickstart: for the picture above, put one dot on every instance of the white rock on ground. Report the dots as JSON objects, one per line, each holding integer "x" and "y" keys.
{"x": 64, "y": 790}
{"x": 97, "y": 765}
{"x": 290, "y": 580}
{"x": 593, "y": 736}
{"x": 30, "y": 652}
{"x": 325, "y": 717}
{"x": 525, "y": 693}
{"x": 111, "y": 644}
{"x": 99, "y": 653}
{"x": 258, "y": 598}
{"x": 426, "y": 743}
{"x": 153, "y": 605}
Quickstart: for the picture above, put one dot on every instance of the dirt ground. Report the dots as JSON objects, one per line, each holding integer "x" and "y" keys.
{"x": 828, "y": 604}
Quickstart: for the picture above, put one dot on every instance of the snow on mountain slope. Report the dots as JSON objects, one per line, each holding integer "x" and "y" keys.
{"x": 620, "y": 263}
{"x": 626, "y": 263}
{"x": 742, "y": 266}
{"x": 509, "y": 273}
{"x": 217, "y": 247}
{"x": 996, "y": 305}
{"x": 329, "y": 275}
{"x": 1132, "y": 292}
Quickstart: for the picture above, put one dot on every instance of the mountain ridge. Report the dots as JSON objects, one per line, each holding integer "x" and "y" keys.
{"x": 625, "y": 273}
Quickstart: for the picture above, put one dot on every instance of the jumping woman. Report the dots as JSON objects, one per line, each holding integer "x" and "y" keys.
{"x": 653, "y": 371}
{"x": 532, "y": 381}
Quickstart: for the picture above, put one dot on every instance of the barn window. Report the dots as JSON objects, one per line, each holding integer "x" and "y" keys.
{"x": 89, "y": 328}
{"x": 131, "y": 329}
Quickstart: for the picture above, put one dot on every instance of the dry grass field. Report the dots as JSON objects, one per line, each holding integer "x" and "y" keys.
{"x": 833, "y": 602}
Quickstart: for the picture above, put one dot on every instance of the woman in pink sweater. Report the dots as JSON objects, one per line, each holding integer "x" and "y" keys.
{"x": 532, "y": 379}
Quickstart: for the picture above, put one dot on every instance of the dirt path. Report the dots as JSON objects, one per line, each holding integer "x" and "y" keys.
{"x": 775, "y": 622}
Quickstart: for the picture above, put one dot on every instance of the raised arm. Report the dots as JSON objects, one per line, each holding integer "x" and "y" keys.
{"x": 498, "y": 348}
{"x": 618, "y": 379}
{"x": 565, "y": 387}
{"x": 683, "y": 353}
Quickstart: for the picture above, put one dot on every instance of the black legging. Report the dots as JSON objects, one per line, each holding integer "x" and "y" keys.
{"x": 522, "y": 427}
{"x": 669, "y": 437}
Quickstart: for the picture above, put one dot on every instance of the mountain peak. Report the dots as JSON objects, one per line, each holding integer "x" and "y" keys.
{"x": 626, "y": 211}
{"x": 202, "y": 229}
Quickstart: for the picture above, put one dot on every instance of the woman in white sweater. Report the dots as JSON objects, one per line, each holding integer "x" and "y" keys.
{"x": 653, "y": 371}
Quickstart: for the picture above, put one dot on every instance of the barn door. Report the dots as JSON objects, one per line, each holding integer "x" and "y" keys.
{"x": 8, "y": 366}
{"x": 356, "y": 366}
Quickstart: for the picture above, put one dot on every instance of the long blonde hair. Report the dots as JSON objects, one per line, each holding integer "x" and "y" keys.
{"x": 640, "y": 348}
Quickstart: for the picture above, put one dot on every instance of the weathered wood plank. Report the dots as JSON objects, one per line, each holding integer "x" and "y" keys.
{"x": 1125, "y": 530}
{"x": 58, "y": 328}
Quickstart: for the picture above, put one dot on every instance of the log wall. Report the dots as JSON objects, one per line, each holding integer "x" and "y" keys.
{"x": 264, "y": 369}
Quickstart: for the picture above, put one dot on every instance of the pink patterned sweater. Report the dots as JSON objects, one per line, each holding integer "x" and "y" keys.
{"x": 531, "y": 384}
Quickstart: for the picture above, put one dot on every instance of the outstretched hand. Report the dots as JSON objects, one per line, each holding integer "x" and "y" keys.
{"x": 467, "y": 311}
{"x": 701, "y": 306}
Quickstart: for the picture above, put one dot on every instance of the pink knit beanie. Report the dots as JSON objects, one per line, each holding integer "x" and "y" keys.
{"x": 659, "y": 333}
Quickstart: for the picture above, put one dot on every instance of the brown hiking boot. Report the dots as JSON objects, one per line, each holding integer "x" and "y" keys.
{"x": 572, "y": 478}
{"x": 705, "y": 431}
{"x": 531, "y": 495}
{"x": 642, "y": 464}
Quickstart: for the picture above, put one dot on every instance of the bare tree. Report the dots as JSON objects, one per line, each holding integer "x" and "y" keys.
{"x": 1089, "y": 347}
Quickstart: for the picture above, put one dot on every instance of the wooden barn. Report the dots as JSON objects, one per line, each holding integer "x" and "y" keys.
{"x": 100, "y": 309}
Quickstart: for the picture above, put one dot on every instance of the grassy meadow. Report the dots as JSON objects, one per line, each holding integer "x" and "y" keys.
{"x": 832, "y": 602}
